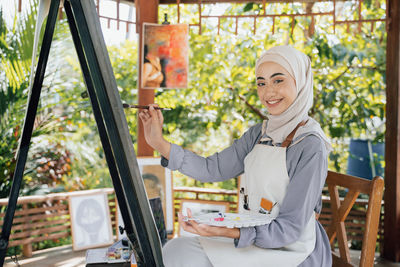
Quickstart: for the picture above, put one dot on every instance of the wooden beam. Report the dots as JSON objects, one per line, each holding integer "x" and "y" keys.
{"x": 391, "y": 244}
{"x": 146, "y": 11}
{"x": 165, "y": 2}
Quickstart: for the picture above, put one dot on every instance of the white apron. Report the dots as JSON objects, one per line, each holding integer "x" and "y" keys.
{"x": 266, "y": 177}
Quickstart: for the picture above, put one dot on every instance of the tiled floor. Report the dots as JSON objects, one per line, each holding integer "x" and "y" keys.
{"x": 54, "y": 257}
{"x": 379, "y": 262}
{"x": 65, "y": 257}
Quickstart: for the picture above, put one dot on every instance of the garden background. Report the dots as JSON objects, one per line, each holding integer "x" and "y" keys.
{"x": 217, "y": 107}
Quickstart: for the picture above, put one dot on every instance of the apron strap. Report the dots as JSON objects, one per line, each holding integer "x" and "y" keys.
{"x": 290, "y": 137}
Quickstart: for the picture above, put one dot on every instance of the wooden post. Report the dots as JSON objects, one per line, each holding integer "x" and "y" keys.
{"x": 27, "y": 248}
{"x": 391, "y": 242}
{"x": 146, "y": 11}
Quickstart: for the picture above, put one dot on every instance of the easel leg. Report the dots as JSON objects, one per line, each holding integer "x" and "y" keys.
{"x": 22, "y": 152}
{"x": 104, "y": 85}
{"x": 100, "y": 124}
{"x": 107, "y": 95}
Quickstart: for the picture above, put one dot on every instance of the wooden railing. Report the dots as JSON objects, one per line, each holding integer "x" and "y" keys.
{"x": 39, "y": 218}
{"x": 197, "y": 193}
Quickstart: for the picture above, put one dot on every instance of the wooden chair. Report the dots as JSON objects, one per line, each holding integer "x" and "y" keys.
{"x": 340, "y": 209}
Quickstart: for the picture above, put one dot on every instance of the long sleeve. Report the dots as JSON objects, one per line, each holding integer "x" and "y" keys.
{"x": 307, "y": 168}
{"x": 218, "y": 167}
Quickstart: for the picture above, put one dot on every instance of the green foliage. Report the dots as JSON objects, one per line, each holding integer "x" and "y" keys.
{"x": 124, "y": 62}
{"x": 88, "y": 166}
{"x": 211, "y": 102}
{"x": 14, "y": 69}
{"x": 349, "y": 87}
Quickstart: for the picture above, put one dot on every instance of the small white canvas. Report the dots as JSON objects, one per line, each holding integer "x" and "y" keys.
{"x": 90, "y": 220}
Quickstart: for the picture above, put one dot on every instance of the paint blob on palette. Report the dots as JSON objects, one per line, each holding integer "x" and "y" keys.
{"x": 232, "y": 220}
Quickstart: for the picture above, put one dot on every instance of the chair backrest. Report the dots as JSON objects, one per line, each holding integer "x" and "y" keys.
{"x": 340, "y": 209}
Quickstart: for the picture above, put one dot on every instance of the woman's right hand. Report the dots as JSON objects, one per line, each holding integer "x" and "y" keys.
{"x": 152, "y": 120}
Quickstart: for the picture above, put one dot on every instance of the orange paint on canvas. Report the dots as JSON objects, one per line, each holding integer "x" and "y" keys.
{"x": 169, "y": 44}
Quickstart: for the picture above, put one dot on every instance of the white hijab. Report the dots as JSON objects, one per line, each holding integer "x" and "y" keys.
{"x": 299, "y": 67}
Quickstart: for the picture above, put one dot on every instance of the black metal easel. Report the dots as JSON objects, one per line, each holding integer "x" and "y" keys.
{"x": 111, "y": 122}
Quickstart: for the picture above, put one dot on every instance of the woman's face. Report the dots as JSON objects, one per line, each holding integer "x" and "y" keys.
{"x": 276, "y": 88}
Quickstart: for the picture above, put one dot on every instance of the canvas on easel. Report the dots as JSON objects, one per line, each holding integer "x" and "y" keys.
{"x": 158, "y": 183}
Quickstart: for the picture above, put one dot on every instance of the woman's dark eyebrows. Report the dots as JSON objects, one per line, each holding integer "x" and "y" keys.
{"x": 276, "y": 74}
{"x": 272, "y": 76}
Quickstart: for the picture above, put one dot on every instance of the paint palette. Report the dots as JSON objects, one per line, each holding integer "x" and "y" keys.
{"x": 233, "y": 220}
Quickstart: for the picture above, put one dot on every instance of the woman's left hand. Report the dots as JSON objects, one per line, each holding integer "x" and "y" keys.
{"x": 206, "y": 230}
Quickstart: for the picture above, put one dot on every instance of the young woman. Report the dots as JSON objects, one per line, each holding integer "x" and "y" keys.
{"x": 284, "y": 161}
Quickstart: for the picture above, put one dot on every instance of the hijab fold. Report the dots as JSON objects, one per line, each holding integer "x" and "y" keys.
{"x": 299, "y": 67}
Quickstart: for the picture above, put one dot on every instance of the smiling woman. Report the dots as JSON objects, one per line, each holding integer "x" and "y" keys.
{"x": 284, "y": 161}
{"x": 276, "y": 88}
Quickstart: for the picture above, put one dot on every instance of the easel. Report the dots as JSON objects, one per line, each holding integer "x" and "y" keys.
{"x": 111, "y": 122}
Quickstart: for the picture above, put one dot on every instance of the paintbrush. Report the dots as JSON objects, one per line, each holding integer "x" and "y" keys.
{"x": 125, "y": 105}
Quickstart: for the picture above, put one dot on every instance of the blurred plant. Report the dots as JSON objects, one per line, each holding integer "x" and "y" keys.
{"x": 16, "y": 42}
{"x": 55, "y": 161}
{"x": 15, "y": 54}
{"x": 349, "y": 83}
{"x": 88, "y": 166}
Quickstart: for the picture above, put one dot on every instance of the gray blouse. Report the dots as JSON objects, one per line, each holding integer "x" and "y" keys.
{"x": 306, "y": 162}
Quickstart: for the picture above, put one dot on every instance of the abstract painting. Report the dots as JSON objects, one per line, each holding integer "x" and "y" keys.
{"x": 165, "y": 62}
